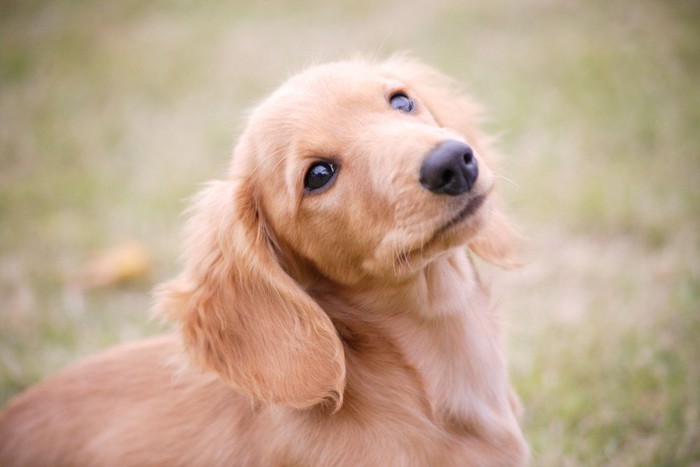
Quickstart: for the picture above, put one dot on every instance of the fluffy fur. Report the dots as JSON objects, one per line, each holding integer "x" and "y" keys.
{"x": 341, "y": 327}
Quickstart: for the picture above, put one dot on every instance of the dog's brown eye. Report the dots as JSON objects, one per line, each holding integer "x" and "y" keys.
{"x": 319, "y": 175}
{"x": 402, "y": 102}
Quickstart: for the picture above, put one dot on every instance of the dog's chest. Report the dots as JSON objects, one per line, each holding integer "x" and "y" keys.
{"x": 459, "y": 365}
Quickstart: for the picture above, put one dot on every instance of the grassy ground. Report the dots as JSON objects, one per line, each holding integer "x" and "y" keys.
{"x": 114, "y": 112}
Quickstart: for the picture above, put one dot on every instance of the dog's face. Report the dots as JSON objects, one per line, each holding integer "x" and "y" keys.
{"x": 356, "y": 173}
{"x": 350, "y": 171}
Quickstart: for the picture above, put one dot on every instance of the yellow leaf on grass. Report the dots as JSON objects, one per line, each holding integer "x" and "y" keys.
{"x": 121, "y": 263}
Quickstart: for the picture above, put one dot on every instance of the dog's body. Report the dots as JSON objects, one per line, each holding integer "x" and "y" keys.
{"x": 340, "y": 324}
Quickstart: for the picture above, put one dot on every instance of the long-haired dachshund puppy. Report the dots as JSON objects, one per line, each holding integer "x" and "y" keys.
{"x": 329, "y": 310}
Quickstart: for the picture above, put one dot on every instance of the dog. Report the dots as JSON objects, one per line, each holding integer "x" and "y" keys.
{"x": 328, "y": 313}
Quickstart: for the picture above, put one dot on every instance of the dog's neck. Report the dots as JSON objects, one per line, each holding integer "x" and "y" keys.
{"x": 442, "y": 324}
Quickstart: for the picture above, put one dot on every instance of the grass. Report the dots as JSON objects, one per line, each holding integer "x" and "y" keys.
{"x": 114, "y": 112}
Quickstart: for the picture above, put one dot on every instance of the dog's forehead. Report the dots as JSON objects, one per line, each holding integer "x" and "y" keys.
{"x": 338, "y": 83}
{"x": 335, "y": 74}
{"x": 313, "y": 99}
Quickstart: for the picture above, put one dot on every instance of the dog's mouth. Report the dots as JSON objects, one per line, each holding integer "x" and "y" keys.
{"x": 466, "y": 218}
{"x": 467, "y": 211}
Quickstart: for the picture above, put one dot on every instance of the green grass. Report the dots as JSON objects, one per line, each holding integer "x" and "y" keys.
{"x": 112, "y": 113}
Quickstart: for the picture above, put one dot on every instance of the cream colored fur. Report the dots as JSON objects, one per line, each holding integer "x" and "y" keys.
{"x": 346, "y": 327}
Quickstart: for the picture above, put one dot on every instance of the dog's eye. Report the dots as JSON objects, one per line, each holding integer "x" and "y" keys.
{"x": 319, "y": 175}
{"x": 402, "y": 102}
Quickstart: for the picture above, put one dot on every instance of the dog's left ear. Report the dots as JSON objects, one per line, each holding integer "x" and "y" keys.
{"x": 496, "y": 242}
{"x": 453, "y": 110}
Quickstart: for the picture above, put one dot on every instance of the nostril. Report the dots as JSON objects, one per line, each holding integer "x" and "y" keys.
{"x": 468, "y": 156}
{"x": 447, "y": 175}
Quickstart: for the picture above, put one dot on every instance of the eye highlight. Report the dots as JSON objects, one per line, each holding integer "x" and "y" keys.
{"x": 319, "y": 175}
{"x": 400, "y": 101}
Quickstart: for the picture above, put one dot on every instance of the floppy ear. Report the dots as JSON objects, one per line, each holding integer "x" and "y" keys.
{"x": 496, "y": 241}
{"x": 242, "y": 316}
{"x": 453, "y": 110}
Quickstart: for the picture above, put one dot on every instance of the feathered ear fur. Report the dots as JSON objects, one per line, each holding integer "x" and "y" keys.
{"x": 242, "y": 316}
{"x": 496, "y": 242}
{"x": 453, "y": 110}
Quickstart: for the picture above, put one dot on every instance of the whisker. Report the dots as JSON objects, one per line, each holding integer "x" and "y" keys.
{"x": 506, "y": 179}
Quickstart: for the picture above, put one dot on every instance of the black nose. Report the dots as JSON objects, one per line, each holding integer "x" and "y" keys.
{"x": 450, "y": 168}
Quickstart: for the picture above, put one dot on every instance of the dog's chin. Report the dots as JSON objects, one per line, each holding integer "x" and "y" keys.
{"x": 456, "y": 228}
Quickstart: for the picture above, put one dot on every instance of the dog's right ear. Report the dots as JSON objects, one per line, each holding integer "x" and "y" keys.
{"x": 242, "y": 315}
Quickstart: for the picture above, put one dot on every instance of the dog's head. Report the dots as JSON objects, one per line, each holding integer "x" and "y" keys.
{"x": 349, "y": 172}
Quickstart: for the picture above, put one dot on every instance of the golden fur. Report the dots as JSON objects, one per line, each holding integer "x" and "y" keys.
{"x": 346, "y": 327}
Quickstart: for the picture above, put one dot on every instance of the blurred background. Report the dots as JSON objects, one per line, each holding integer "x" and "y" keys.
{"x": 114, "y": 112}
